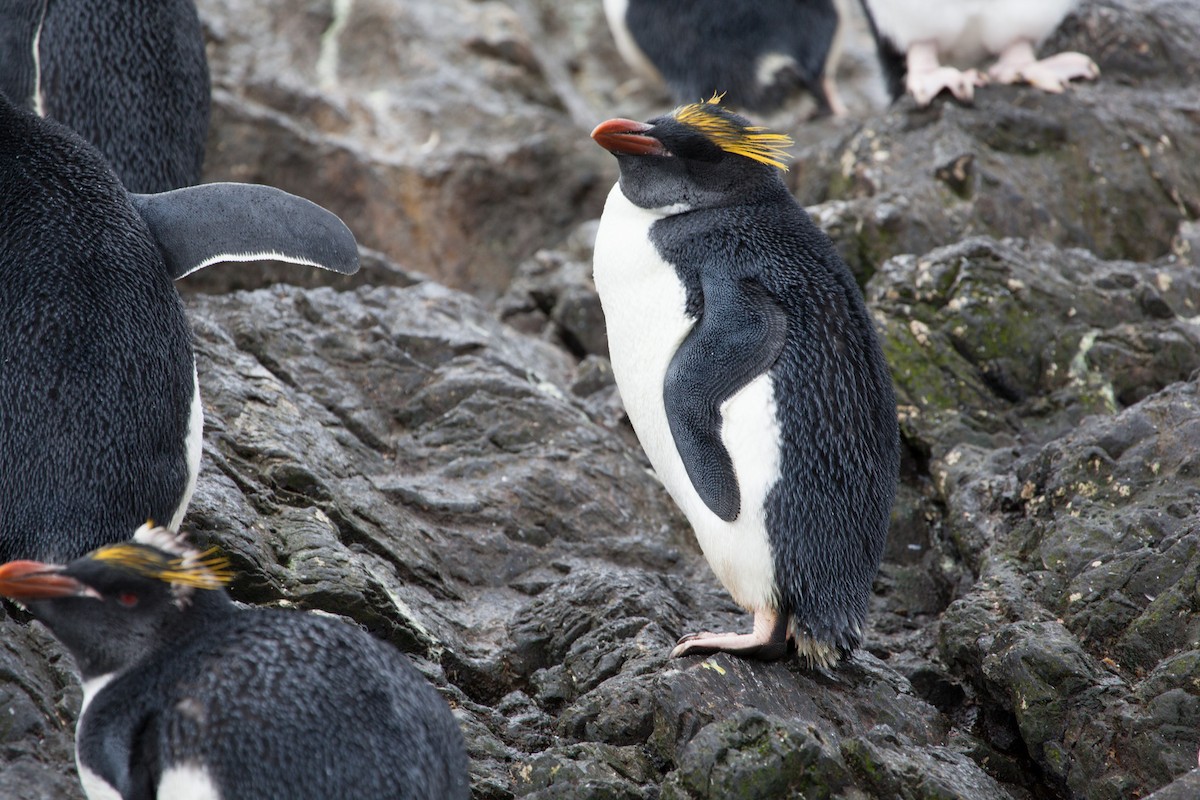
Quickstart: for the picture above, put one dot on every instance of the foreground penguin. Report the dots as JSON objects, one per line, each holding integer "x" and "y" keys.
{"x": 757, "y": 53}
{"x": 131, "y": 79}
{"x": 186, "y": 695}
{"x": 100, "y": 416}
{"x": 751, "y": 372}
{"x": 914, "y": 36}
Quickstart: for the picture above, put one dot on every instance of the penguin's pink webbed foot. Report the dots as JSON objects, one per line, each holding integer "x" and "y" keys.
{"x": 927, "y": 77}
{"x": 1018, "y": 64}
{"x": 768, "y": 642}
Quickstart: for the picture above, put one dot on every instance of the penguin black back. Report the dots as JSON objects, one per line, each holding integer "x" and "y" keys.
{"x": 131, "y": 77}
{"x": 93, "y": 339}
{"x": 757, "y": 53}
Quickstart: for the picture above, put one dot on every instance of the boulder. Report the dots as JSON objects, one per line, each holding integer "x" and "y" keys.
{"x": 429, "y": 126}
{"x": 1111, "y": 166}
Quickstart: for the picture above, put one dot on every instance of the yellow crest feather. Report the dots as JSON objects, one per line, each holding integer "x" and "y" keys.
{"x": 752, "y": 141}
{"x": 206, "y": 570}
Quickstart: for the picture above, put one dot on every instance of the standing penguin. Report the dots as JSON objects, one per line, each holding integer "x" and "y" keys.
{"x": 130, "y": 77}
{"x": 751, "y": 372}
{"x": 757, "y": 53}
{"x": 100, "y": 416}
{"x": 186, "y": 695}
{"x": 913, "y": 36}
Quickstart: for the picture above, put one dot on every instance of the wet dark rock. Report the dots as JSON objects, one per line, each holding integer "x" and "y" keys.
{"x": 38, "y": 697}
{"x": 995, "y": 341}
{"x": 1082, "y": 621}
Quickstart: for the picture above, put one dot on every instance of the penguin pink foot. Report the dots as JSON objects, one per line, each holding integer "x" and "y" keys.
{"x": 1018, "y": 64}
{"x": 927, "y": 77}
{"x": 768, "y": 642}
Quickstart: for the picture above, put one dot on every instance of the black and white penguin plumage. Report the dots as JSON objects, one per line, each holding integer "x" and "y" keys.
{"x": 130, "y": 77}
{"x": 750, "y": 369}
{"x": 915, "y": 36}
{"x": 757, "y": 54}
{"x": 186, "y": 695}
{"x": 100, "y": 416}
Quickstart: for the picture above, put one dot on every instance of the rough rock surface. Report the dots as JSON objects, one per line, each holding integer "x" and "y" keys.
{"x": 428, "y": 125}
{"x": 458, "y": 478}
{"x": 1112, "y": 166}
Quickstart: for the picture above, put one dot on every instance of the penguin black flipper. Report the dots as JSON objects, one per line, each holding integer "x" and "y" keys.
{"x": 19, "y": 24}
{"x": 740, "y": 334}
{"x": 202, "y": 225}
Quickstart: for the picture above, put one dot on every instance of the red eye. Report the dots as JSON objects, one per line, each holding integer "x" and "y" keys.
{"x": 127, "y": 599}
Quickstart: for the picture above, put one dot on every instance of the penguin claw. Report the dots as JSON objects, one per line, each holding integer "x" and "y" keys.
{"x": 743, "y": 645}
{"x": 924, "y": 86}
{"x": 1054, "y": 73}
{"x": 1051, "y": 74}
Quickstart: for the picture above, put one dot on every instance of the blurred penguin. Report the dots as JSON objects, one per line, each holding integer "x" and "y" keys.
{"x": 914, "y": 36}
{"x": 757, "y": 54}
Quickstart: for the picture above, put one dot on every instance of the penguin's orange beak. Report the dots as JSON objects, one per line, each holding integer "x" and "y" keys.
{"x": 33, "y": 580}
{"x": 626, "y": 137}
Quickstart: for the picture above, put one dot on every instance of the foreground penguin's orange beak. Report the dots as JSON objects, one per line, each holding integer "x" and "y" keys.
{"x": 33, "y": 580}
{"x": 624, "y": 137}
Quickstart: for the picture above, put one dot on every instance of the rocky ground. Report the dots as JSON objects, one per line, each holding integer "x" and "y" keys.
{"x": 453, "y": 471}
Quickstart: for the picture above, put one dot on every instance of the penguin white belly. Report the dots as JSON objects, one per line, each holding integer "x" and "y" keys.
{"x": 644, "y": 310}
{"x": 195, "y": 446}
{"x": 95, "y": 787}
{"x": 966, "y": 31}
{"x": 187, "y": 782}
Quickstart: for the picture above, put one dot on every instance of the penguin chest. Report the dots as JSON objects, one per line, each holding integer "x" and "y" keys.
{"x": 645, "y": 314}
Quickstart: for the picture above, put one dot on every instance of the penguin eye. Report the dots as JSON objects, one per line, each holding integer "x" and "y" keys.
{"x": 127, "y": 599}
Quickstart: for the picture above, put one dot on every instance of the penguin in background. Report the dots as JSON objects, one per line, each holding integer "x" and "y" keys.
{"x": 186, "y": 695}
{"x": 751, "y": 371}
{"x": 100, "y": 414}
{"x": 130, "y": 77}
{"x": 758, "y": 54}
{"x": 914, "y": 36}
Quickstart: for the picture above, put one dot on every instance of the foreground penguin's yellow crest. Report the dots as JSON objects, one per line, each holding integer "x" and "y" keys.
{"x": 752, "y": 141}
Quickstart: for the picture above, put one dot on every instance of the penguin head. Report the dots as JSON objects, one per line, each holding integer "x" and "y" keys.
{"x": 114, "y": 605}
{"x": 698, "y": 156}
